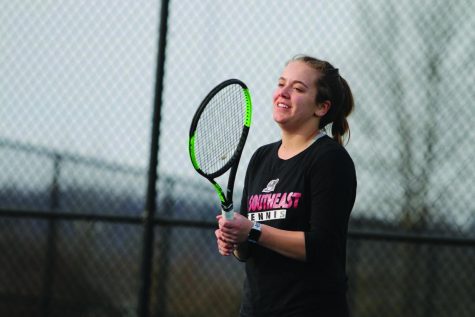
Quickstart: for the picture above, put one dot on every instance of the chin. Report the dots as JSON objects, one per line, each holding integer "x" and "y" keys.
{"x": 278, "y": 119}
{"x": 281, "y": 123}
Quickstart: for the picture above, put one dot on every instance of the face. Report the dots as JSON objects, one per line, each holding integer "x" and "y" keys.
{"x": 294, "y": 100}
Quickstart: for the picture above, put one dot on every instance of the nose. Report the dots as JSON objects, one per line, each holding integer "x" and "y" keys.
{"x": 284, "y": 92}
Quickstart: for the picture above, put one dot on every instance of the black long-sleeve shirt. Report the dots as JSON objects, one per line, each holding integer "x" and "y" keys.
{"x": 313, "y": 192}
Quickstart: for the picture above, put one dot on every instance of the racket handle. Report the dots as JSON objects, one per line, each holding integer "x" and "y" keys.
{"x": 227, "y": 212}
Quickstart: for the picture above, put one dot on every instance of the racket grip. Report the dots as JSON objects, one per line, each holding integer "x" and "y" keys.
{"x": 227, "y": 212}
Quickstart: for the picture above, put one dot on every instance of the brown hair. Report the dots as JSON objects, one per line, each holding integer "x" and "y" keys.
{"x": 331, "y": 86}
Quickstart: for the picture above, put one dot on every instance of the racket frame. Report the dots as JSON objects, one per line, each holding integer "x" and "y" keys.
{"x": 233, "y": 163}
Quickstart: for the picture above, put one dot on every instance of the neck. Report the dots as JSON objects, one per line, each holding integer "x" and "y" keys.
{"x": 292, "y": 144}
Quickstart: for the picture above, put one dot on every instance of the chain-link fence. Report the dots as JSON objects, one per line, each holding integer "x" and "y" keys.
{"x": 79, "y": 82}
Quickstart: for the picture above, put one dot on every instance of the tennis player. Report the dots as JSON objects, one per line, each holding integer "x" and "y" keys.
{"x": 298, "y": 195}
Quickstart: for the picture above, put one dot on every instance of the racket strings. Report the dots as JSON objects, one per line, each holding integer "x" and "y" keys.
{"x": 219, "y": 129}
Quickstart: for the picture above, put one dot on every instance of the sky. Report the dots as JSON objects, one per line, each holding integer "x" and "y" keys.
{"x": 80, "y": 79}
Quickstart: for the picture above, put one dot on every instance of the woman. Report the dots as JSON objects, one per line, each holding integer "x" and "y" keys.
{"x": 297, "y": 199}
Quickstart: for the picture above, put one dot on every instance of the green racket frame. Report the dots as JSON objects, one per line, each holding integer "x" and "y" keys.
{"x": 233, "y": 162}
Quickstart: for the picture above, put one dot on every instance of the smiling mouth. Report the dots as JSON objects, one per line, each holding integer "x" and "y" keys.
{"x": 283, "y": 106}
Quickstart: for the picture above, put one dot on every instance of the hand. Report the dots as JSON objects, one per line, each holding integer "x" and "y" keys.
{"x": 236, "y": 230}
{"x": 224, "y": 247}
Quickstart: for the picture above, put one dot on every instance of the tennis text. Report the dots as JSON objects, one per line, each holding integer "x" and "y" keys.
{"x": 267, "y": 215}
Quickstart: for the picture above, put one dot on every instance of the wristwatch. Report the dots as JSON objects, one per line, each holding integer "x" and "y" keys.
{"x": 255, "y": 232}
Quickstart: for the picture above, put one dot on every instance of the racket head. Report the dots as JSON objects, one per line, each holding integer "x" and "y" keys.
{"x": 219, "y": 128}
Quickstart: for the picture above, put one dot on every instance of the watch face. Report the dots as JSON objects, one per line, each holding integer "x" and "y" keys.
{"x": 255, "y": 233}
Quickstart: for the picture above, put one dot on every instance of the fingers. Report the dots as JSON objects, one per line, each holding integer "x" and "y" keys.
{"x": 226, "y": 249}
{"x": 224, "y": 246}
{"x": 234, "y": 231}
{"x": 228, "y": 238}
{"x": 222, "y": 222}
{"x": 228, "y": 233}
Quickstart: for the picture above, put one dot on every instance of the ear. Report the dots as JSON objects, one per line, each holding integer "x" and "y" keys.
{"x": 322, "y": 108}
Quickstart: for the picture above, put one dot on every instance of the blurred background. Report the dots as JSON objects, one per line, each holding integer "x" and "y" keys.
{"x": 101, "y": 212}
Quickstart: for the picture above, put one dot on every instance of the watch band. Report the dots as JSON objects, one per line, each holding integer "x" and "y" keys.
{"x": 255, "y": 232}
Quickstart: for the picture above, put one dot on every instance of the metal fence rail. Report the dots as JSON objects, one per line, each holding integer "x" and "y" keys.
{"x": 373, "y": 267}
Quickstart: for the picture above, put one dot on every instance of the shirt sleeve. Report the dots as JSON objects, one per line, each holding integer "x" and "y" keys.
{"x": 333, "y": 190}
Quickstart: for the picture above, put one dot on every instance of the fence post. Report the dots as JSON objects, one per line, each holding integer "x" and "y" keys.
{"x": 51, "y": 241}
{"x": 150, "y": 204}
{"x": 165, "y": 238}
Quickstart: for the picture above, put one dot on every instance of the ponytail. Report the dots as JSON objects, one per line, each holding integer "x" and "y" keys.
{"x": 340, "y": 125}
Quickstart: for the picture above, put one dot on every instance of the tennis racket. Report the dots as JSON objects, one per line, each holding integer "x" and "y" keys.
{"x": 218, "y": 134}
